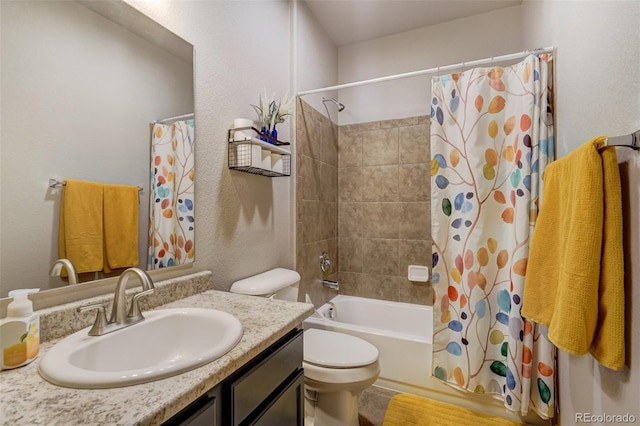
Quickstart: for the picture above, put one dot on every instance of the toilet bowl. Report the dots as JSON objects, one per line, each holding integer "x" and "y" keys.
{"x": 337, "y": 366}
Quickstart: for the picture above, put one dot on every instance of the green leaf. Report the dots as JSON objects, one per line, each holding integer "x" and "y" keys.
{"x": 259, "y": 112}
{"x": 23, "y": 337}
{"x": 440, "y": 373}
{"x": 499, "y": 368}
{"x": 543, "y": 389}
{"x": 504, "y": 349}
{"x": 446, "y": 206}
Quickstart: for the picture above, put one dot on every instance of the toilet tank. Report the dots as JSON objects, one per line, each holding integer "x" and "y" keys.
{"x": 279, "y": 283}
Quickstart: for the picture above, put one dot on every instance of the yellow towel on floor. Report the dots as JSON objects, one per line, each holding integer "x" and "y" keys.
{"x": 412, "y": 410}
{"x": 120, "y": 226}
{"x": 80, "y": 237}
{"x": 575, "y": 273}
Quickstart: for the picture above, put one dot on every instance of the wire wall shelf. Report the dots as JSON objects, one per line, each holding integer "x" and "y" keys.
{"x": 252, "y": 152}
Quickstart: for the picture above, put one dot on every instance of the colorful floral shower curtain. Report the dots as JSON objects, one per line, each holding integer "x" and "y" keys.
{"x": 491, "y": 138}
{"x": 171, "y": 218}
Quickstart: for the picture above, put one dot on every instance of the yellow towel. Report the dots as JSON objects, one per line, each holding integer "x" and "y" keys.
{"x": 80, "y": 237}
{"x": 575, "y": 273}
{"x": 120, "y": 226}
{"x": 412, "y": 410}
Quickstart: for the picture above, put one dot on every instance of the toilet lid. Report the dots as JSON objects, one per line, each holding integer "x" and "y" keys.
{"x": 337, "y": 350}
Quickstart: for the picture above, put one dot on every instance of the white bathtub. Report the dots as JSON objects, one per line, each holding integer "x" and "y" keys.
{"x": 403, "y": 333}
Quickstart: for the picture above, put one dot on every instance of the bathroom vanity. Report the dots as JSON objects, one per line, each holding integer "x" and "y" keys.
{"x": 268, "y": 390}
{"x": 259, "y": 381}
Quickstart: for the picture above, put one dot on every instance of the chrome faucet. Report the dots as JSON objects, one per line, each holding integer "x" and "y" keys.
{"x": 325, "y": 267}
{"x": 56, "y": 269}
{"x": 119, "y": 317}
{"x": 335, "y": 285}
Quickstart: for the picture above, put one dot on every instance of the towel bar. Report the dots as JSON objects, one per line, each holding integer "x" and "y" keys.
{"x": 631, "y": 141}
{"x": 55, "y": 184}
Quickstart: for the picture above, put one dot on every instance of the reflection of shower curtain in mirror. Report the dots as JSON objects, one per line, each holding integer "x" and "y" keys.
{"x": 171, "y": 218}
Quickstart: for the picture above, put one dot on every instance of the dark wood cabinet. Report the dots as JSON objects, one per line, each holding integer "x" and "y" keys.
{"x": 287, "y": 408}
{"x": 266, "y": 391}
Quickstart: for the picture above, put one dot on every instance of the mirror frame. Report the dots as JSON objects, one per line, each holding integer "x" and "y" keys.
{"x": 61, "y": 295}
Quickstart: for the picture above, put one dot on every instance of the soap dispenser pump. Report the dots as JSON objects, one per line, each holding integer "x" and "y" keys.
{"x": 20, "y": 331}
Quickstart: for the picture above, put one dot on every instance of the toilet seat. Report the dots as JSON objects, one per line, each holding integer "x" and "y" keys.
{"x": 329, "y": 349}
{"x": 332, "y": 379}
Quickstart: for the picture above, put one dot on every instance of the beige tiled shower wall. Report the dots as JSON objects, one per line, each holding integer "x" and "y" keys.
{"x": 362, "y": 196}
{"x": 384, "y": 210}
{"x": 316, "y": 201}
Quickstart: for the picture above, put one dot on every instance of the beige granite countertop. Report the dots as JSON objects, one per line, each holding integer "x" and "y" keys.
{"x": 27, "y": 399}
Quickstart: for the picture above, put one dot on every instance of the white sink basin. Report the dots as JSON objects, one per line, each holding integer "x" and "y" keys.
{"x": 166, "y": 343}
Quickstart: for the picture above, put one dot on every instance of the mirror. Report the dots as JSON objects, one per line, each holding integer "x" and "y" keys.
{"x": 81, "y": 84}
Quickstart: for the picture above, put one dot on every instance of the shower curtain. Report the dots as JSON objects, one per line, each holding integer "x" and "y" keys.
{"x": 491, "y": 138}
{"x": 171, "y": 218}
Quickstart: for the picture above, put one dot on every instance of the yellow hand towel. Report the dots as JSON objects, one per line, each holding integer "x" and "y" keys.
{"x": 575, "y": 273}
{"x": 120, "y": 226}
{"x": 80, "y": 237}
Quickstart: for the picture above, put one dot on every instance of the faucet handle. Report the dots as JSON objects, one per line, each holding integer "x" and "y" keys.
{"x": 325, "y": 262}
{"x": 101, "y": 318}
{"x": 134, "y": 310}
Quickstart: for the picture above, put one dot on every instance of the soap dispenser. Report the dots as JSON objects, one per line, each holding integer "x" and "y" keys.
{"x": 19, "y": 331}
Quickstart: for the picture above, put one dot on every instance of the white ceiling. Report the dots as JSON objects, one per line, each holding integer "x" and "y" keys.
{"x": 353, "y": 21}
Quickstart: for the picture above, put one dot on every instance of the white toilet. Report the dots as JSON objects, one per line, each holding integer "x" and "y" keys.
{"x": 337, "y": 366}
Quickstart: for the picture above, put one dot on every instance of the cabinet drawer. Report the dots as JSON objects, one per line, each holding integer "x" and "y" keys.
{"x": 288, "y": 406}
{"x": 205, "y": 411}
{"x": 252, "y": 388}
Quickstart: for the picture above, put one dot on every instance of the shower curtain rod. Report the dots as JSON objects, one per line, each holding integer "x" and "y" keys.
{"x": 463, "y": 65}
{"x": 176, "y": 118}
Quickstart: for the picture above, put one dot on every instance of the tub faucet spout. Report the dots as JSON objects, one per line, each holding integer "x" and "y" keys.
{"x": 331, "y": 284}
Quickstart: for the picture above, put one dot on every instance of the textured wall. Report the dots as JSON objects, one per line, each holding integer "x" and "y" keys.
{"x": 244, "y": 221}
{"x": 489, "y": 34}
{"x": 384, "y": 208}
{"x": 598, "y": 92}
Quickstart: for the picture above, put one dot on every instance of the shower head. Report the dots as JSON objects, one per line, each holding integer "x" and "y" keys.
{"x": 338, "y": 104}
